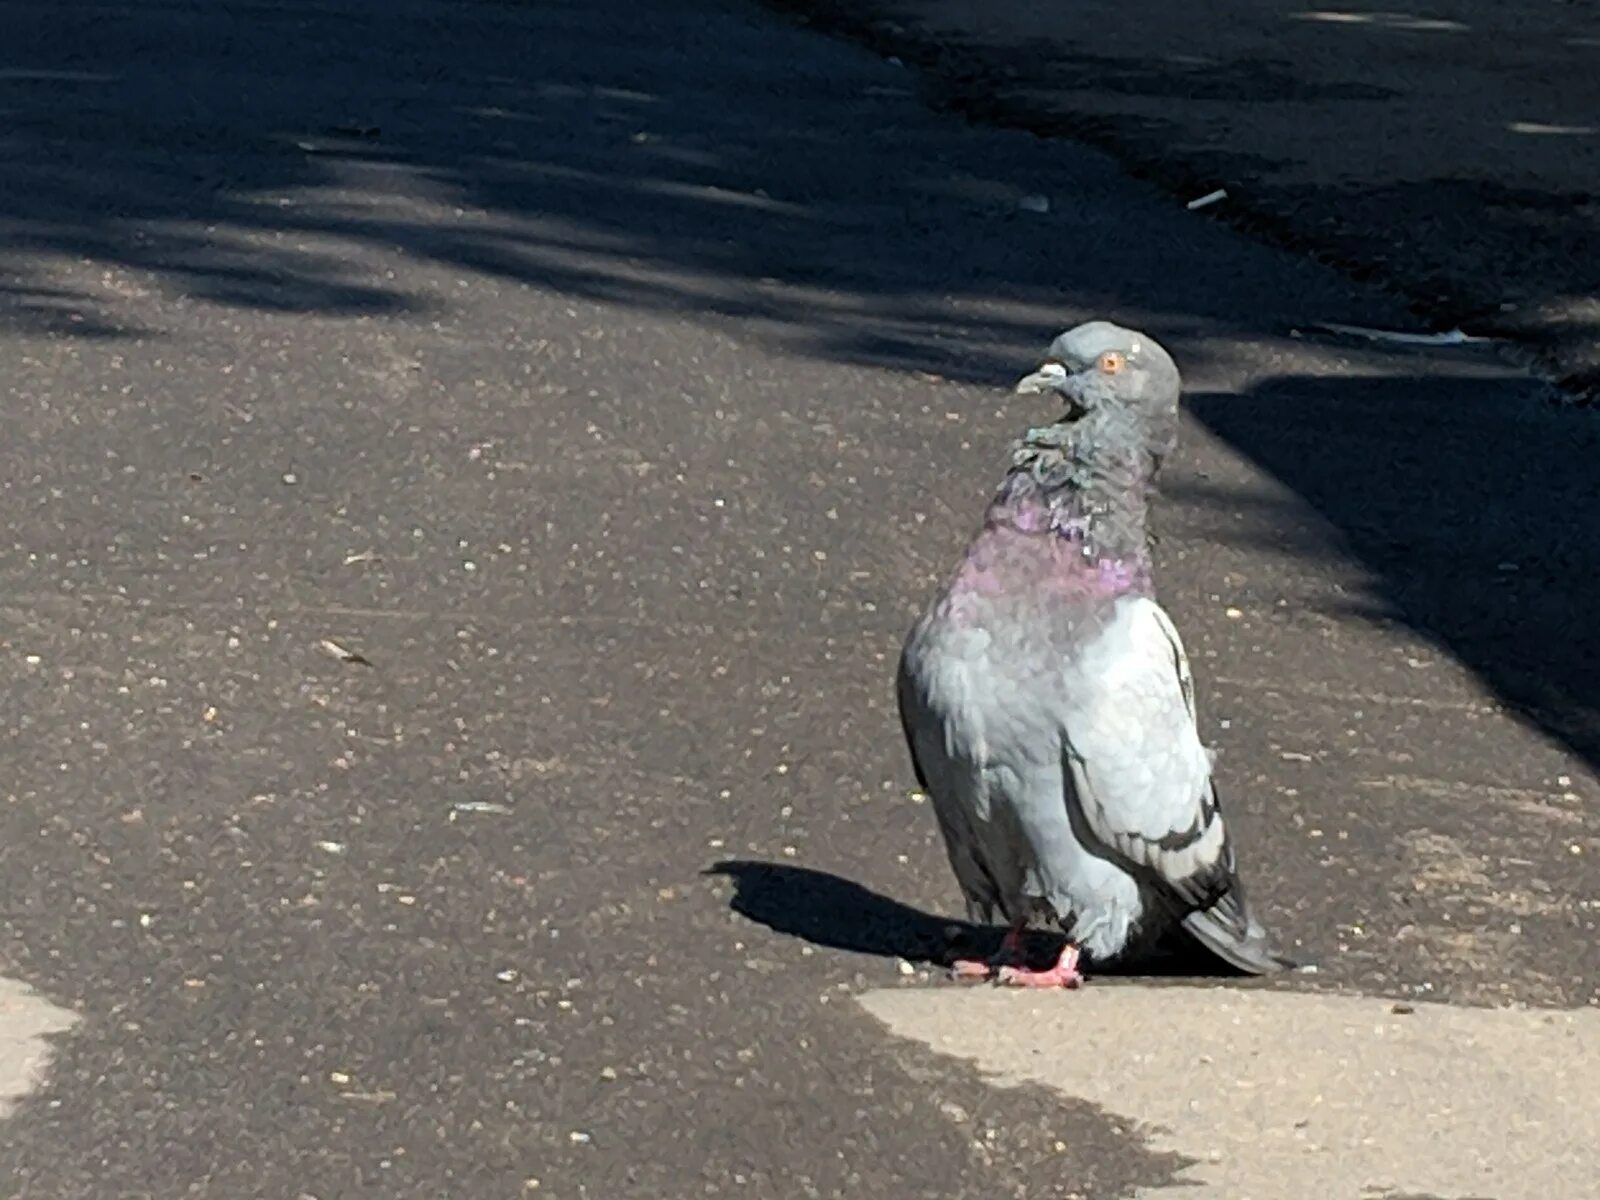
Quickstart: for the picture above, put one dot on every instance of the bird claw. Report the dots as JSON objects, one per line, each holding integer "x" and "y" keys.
{"x": 976, "y": 970}
{"x": 1063, "y": 975}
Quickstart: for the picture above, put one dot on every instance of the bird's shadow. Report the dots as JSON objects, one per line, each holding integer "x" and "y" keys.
{"x": 829, "y": 910}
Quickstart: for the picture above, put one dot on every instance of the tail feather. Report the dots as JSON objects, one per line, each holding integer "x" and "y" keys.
{"x": 1229, "y": 931}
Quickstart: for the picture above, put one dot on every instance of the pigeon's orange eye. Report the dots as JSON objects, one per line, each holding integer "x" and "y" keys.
{"x": 1111, "y": 362}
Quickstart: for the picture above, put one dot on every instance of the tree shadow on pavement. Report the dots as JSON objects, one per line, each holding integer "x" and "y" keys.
{"x": 668, "y": 157}
{"x": 1478, "y": 516}
{"x": 1478, "y": 220}
{"x": 275, "y": 158}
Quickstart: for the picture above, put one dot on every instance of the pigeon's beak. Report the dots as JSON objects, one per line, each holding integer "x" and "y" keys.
{"x": 1052, "y": 378}
{"x": 1048, "y": 378}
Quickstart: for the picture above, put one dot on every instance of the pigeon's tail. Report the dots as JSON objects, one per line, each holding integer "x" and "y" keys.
{"x": 1229, "y": 931}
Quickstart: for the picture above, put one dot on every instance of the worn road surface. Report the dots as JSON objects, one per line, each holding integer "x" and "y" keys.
{"x": 467, "y": 470}
{"x": 1450, "y": 152}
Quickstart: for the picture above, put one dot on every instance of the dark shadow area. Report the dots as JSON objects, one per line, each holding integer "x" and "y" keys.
{"x": 1478, "y": 517}
{"x": 276, "y": 157}
{"x": 827, "y": 910}
{"x": 1451, "y": 160}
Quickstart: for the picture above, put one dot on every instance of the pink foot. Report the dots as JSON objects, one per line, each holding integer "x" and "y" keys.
{"x": 1063, "y": 975}
{"x": 977, "y": 970}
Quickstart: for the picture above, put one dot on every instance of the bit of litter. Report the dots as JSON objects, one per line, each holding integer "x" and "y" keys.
{"x": 1400, "y": 337}
{"x": 291, "y": 478}
{"x": 331, "y": 847}
{"x": 506, "y": 976}
{"x": 579, "y": 1137}
{"x": 332, "y": 647}
{"x": 368, "y": 1097}
{"x": 906, "y": 968}
{"x": 1207, "y": 200}
{"x": 1034, "y": 203}
{"x": 360, "y": 557}
{"x": 482, "y": 806}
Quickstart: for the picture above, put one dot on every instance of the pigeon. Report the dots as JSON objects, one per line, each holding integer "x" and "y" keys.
{"x": 1049, "y": 705}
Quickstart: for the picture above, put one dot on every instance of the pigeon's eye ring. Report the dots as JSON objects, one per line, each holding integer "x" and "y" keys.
{"x": 1111, "y": 362}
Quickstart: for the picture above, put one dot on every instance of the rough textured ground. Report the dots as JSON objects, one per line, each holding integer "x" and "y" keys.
{"x": 1451, "y": 153}
{"x": 615, "y": 381}
{"x": 1403, "y": 1100}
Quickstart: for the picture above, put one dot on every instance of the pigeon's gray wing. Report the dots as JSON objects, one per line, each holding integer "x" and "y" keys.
{"x": 1141, "y": 779}
{"x": 948, "y": 788}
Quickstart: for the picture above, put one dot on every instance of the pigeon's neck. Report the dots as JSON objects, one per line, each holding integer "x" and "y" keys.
{"x": 1087, "y": 482}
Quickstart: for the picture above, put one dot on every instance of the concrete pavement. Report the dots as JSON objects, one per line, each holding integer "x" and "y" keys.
{"x": 614, "y": 381}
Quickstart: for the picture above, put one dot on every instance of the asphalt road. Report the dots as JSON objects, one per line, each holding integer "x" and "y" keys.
{"x": 614, "y": 381}
{"x": 1449, "y": 153}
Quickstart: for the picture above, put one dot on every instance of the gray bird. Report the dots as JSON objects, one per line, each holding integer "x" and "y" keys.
{"x": 1048, "y": 702}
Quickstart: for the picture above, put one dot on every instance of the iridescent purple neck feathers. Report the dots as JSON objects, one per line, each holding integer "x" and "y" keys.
{"x": 1086, "y": 482}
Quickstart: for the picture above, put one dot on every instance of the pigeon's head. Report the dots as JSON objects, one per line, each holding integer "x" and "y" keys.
{"x": 1099, "y": 366}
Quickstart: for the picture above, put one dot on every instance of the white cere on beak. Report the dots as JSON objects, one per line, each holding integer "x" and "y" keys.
{"x": 1047, "y": 376}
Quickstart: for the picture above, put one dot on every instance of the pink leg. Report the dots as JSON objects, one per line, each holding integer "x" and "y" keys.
{"x": 1063, "y": 975}
{"x": 980, "y": 970}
